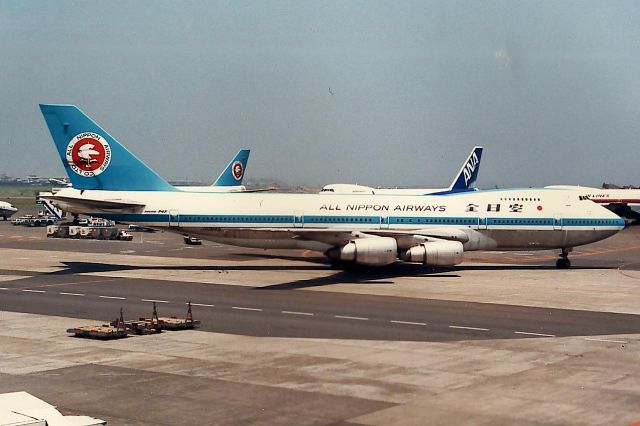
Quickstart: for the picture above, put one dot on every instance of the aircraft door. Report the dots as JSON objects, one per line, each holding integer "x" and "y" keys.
{"x": 482, "y": 221}
{"x": 557, "y": 222}
{"x": 174, "y": 218}
{"x": 384, "y": 222}
{"x": 298, "y": 219}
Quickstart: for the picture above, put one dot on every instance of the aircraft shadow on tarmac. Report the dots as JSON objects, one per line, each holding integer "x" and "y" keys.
{"x": 353, "y": 275}
{"x": 355, "y": 272}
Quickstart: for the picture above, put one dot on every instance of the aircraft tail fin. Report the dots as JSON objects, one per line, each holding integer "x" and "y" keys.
{"x": 466, "y": 178}
{"x": 92, "y": 158}
{"x": 234, "y": 173}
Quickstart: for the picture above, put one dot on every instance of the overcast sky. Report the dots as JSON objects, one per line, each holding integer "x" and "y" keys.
{"x": 550, "y": 88}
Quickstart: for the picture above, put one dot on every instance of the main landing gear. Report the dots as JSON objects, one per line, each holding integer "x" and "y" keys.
{"x": 564, "y": 262}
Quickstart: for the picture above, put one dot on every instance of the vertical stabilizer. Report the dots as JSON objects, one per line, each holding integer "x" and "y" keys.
{"x": 92, "y": 158}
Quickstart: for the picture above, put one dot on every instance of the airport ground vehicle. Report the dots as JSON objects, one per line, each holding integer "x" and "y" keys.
{"x": 192, "y": 241}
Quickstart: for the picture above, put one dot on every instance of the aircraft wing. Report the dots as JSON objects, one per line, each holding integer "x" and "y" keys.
{"x": 80, "y": 205}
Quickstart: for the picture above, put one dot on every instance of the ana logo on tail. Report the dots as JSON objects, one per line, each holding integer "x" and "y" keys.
{"x": 237, "y": 170}
{"x": 470, "y": 167}
{"x": 88, "y": 154}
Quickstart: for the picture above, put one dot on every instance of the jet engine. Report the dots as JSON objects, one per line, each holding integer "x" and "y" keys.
{"x": 367, "y": 251}
{"x": 436, "y": 253}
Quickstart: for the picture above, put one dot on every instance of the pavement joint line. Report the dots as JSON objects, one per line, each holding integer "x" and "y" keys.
{"x": 468, "y": 328}
{"x": 113, "y": 297}
{"x": 297, "y": 313}
{"x": 28, "y": 290}
{"x": 72, "y": 294}
{"x": 154, "y": 300}
{"x": 351, "y": 318}
{"x": 83, "y": 282}
{"x": 593, "y": 339}
{"x": 407, "y": 322}
{"x": 201, "y": 304}
{"x": 242, "y": 308}
{"x": 526, "y": 333}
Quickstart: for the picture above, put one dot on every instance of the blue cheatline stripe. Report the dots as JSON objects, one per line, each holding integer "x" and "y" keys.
{"x": 355, "y": 220}
{"x": 342, "y": 219}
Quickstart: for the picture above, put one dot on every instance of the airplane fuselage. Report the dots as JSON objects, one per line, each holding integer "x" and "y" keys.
{"x": 524, "y": 219}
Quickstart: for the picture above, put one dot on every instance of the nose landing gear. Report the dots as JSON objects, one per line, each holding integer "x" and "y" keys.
{"x": 563, "y": 262}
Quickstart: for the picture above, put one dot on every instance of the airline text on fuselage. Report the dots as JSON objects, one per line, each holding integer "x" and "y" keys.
{"x": 384, "y": 207}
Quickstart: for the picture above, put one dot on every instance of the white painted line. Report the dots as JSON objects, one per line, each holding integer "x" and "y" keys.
{"x": 534, "y": 334}
{"x": 33, "y": 291}
{"x": 157, "y": 301}
{"x": 297, "y": 313}
{"x": 201, "y": 304}
{"x": 72, "y": 294}
{"x": 3, "y": 288}
{"x": 245, "y": 309}
{"x": 468, "y": 328}
{"x": 351, "y": 318}
{"x": 593, "y": 339}
{"x": 408, "y": 322}
{"x": 113, "y": 297}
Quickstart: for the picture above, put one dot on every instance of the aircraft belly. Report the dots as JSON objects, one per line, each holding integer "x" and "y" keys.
{"x": 256, "y": 238}
{"x": 545, "y": 239}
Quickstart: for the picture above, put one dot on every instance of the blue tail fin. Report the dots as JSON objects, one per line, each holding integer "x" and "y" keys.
{"x": 234, "y": 173}
{"x": 92, "y": 158}
{"x": 466, "y": 178}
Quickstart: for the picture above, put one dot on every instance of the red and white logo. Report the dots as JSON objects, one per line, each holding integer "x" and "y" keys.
{"x": 237, "y": 170}
{"x": 88, "y": 154}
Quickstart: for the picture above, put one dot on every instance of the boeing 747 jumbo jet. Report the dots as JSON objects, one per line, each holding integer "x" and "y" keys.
{"x": 605, "y": 197}
{"x": 375, "y": 230}
{"x": 464, "y": 181}
{"x": 6, "y": 210}
{"x": 230, "y": 180}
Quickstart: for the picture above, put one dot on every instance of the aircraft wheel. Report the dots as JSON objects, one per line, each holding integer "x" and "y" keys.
{"x": 563, "y": 263}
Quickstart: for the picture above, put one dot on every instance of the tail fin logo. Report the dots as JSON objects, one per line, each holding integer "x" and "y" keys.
{"x": 470, "y": 167}
{"x": 88, "y": 154}
{"x": 237, "y": 170}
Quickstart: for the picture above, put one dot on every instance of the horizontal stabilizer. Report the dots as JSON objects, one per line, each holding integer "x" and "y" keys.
{"x": 82, "y": 205}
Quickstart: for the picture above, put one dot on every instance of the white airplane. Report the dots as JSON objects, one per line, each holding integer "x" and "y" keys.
{"x": 372, "y": 230}
{"x": 464, "y": 181}
{"x": 605, "y": 197}
{"x": 230, "y": 180}
{"x": 6, "y": 210}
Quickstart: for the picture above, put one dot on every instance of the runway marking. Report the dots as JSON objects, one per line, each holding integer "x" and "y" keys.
{"x": 113, "y": 297}
{"x": 408, "y": 322}
{"x": 201, "y": 304}
{"x": 3, "y": 288}
{"x": 83, "y": 282}
{"x": 468, "y": 328}
{"x": 153, "y": 300}
{"x": 72, "y": 294}
{"x": 593, "y": 339}
{"x": 297, "y": 313}
{"x": 242, "y": 308}
{"x": 33, "y": 291}
{"x": 534, "y": 334}
{"x": 351, "y": 318}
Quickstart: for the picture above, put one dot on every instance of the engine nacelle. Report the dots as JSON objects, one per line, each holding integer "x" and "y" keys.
{"x": 436, "y": 253}
{"x": 367, "y": 251}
